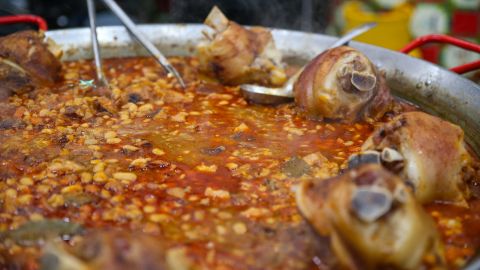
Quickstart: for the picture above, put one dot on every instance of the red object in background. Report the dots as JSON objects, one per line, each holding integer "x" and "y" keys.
{"x": 39, "y": 21}
{"x": 450, "y": 40}
{"x": 466, "y": 23}
{"x": 466, "y": 68}
{"x": 431, "y": 52}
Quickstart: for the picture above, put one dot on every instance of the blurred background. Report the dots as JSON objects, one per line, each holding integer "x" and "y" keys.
{"x": 400, "y": 21}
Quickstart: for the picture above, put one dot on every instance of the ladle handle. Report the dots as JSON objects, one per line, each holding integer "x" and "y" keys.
{"x": 353, "y": 33}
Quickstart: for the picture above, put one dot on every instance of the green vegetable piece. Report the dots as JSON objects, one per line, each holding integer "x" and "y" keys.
{"x": 79, "y": 199}
{"x": 33, "y": 232}
{"x": 295, "y": 167}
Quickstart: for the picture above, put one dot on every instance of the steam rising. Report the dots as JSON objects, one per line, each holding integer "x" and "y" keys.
{"x": 305, "y": 15}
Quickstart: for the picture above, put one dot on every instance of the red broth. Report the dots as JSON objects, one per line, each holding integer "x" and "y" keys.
{"x": 198, "y": 168}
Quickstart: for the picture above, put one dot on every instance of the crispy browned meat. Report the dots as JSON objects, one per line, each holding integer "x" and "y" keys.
{"x": 13, "y": 79}
{"x": 433, "y": 155}
{"x": 237, "y": 55}
{"x": 372, "y": 219}
{"x": 29, "y": 51}
{"x": 342, "y": 84}
{"x": 26, "y": 61}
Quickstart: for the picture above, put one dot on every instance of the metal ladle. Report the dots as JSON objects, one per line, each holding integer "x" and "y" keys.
{"x": 271, "y": 96}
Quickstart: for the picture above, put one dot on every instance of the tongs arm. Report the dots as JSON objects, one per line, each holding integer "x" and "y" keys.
{"x": 130, "y": 25}
{"x": 101, "y": 79}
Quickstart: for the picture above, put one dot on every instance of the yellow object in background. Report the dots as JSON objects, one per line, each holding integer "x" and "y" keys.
{"x": 392, "y": 31}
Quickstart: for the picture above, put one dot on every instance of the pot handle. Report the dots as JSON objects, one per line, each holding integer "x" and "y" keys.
{"x": 25, "y": 18}
{"x": 450, "y": 40}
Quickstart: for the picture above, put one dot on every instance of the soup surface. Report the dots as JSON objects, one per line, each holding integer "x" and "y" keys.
{"x": 198, "y": 176}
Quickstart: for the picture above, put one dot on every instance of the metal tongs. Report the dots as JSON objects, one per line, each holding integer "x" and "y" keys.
{"x": 132, "y": 28}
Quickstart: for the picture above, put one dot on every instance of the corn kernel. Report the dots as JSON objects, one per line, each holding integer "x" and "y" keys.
{"x": 110, "y": 135}
{"x": 56, "y": 200}
{"x": 86, "y": 177}
{"x": 27, "y": 181}
{"x": 99, "y": 167}
{"x": 239, "y": 228}
{"x": 159, "y": 218}
{"x": 72, "y": 189}
{"x": 176, "y": 192}
{"x": 149, "y": 209}
{"x": 125, "y": 176}
{"x": 113, "y": 140}
{"x": 100, "y": 177}
{"x": 158, "y": 152}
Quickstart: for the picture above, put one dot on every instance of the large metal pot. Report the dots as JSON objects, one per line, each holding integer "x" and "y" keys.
{"x": 435, "y": 89}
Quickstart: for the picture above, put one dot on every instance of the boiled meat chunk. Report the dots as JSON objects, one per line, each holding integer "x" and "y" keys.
{"x": 342, "y": 84}
{"x": 237, "y": 55}
{"x": 27, "y": 61}
{"x": 430, "y": 156}
{"x": 372, "y": 219}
